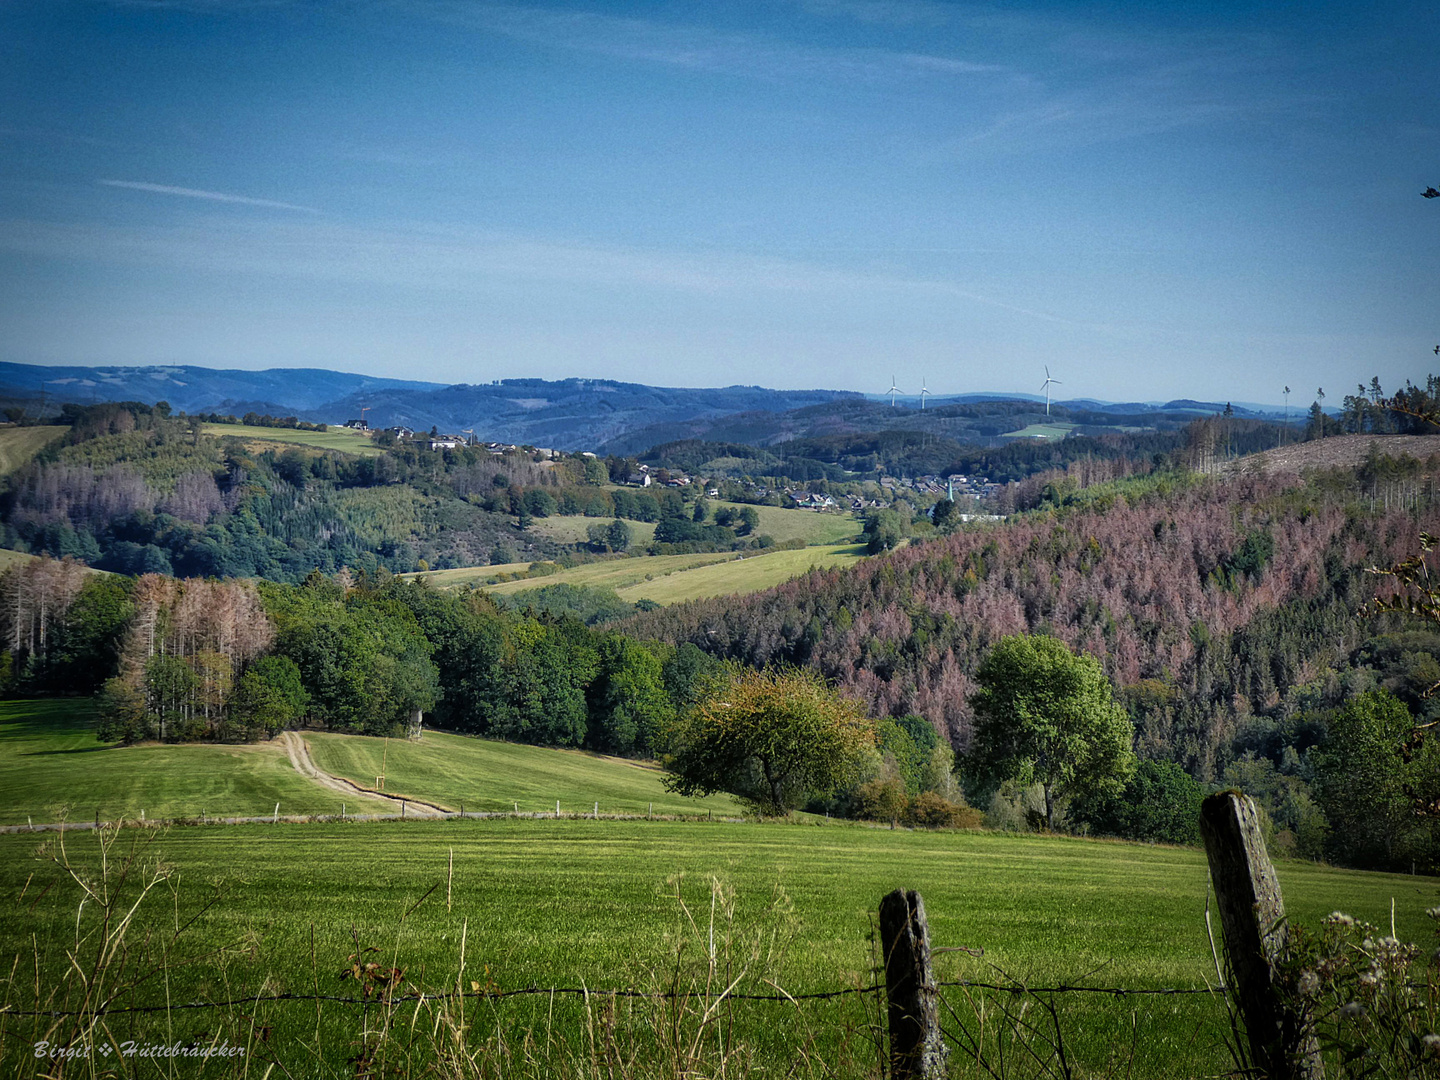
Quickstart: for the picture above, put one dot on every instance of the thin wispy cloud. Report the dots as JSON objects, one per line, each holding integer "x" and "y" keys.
{"x": 447, "y": 260}
{"x": 211, "y": 196}
{"x": 698, "y": 48}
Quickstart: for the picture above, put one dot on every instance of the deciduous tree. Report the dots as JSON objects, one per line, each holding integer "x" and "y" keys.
{"x": 1047, "y": 716}
{"x": 772, "y": 738}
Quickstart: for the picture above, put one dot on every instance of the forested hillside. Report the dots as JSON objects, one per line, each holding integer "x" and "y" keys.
{"x": 1218, "y": 608}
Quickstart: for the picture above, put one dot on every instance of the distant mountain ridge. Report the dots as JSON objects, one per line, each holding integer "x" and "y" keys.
{"x": 194, "y": 389}
{"x": 573, "y": 414}
{"x": 603, "y": 415}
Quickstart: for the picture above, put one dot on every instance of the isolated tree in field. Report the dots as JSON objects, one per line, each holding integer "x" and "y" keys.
{"x": 771, "y": 738}
{"x": 1046, "y": 716}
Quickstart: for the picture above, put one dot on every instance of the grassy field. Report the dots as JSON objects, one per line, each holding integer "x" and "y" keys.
{"x": 19, "y": 444}
{"x": 610, "y": 574}
{"x": 629, "y": 904}
{"x": 572, "y": 528}
{"x": 753, "y": 573}
{"x": 1041, "y": 431}
{"x": 451, "y": 770}
{"x": 10, "y": 558}
{"x": 346, "y": 440}
{"x": 51, "y": 761}
{"x": 667, "y": 579}
{"x": 814, "y": 528}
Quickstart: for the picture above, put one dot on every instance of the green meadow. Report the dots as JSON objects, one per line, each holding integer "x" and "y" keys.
{"x": 613, "y": 905}
{"x": 788, "y": 523}
{"x": 248, "y": 912}
{"x": 1041, "y": 431}
{"x": 19, "y": 444}
{"x": 667, "y": 579}
{"x": 52, "y": 766}
{"x": 608, "y": 574}
{"x": 575, "y": 528}
{"x": 750, "y": 573}
{"x": 456, "y": 771}
{"x": 347, "y": 440}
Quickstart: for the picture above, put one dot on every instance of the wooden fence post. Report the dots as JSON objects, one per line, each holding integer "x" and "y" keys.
{"x": 917, "y": 1051}
{"x": 1252, "y": 918}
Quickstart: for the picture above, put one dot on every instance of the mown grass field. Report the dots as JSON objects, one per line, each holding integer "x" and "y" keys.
{"x": 19, "y": 444}
{"x": 1041, "y": 431}
{"x": 454, "y": 770}
{"x": 667, "y": 579}
{"x": 604, "y": 904}
{"x": 258, "y": 910}
{"x": 747, "y": 575}
{"x": 610, "y": 574}
{"x": 51, "y": 764}
{"x": 346, "y": 440}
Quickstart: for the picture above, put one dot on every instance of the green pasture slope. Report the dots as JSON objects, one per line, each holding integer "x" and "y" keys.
{"x": 481, "y": 774}
{"x": 575, "y": 528}
{"x": 51, "y": 765}
{"x": 788, "y": 523}
{"x": 666, "y": 579}
{"x": 19, "y": 444}
{"x": 747, "y": 574}
{"x": 1057, "y": 430}
{"x": 598, "y": 904}
{"x": 609, "y": 574}
{"x": 346, "y": 440}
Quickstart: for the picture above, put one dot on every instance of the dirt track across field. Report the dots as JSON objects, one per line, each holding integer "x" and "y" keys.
{"x": 299, "y": 752}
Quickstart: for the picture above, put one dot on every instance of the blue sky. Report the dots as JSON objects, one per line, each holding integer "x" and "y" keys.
{"x": 1212, "y": 202}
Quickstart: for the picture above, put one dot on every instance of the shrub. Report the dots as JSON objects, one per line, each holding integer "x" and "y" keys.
{"x": 931, "y": 811}
{"x": 883, "y": 799}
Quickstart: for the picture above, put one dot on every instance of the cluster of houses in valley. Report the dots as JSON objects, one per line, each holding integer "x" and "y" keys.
{"x": 954, "y": 486}
{"x": 436, "y": 441}
{"x": 644, "y": 476}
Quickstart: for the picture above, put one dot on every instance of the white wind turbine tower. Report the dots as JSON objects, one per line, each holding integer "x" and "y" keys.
{"x": 893, "y": 391}
{"x": 1046, "y": 388}
{"x": 923, "y": 392}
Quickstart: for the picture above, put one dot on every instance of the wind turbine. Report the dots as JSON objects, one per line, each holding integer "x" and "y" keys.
{"x": 893, "y": 391}
{"x": 923, "y": 392}
{"x": 1046, "y": 388}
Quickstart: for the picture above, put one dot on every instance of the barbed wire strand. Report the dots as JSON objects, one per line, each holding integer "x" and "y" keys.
{"x": 580, "y": 991}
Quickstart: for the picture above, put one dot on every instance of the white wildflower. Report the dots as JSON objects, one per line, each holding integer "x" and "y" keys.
{"x": 1431, "y": 1043}
{"x": 1339, "y": 918}
{"x": 1351, "y": 1010}
{"x": 1308, "y": 984}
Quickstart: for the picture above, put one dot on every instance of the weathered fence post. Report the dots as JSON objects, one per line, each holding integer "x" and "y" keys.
{"x": 917, "y": 1051}
{"x": 1252, "y": 918}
